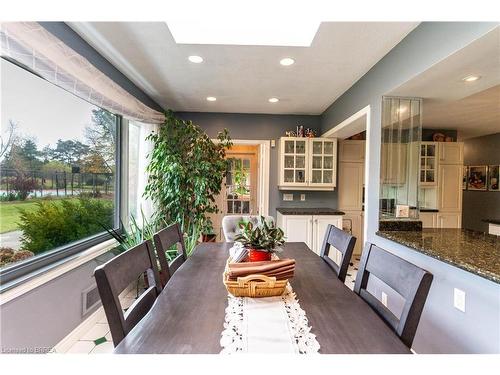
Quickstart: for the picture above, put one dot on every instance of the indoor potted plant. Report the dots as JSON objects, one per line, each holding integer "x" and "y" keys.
{"x": 261, "y": 239}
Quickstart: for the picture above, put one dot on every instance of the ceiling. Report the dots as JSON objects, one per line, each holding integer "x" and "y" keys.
{"x": 243, "y": 78}
{"x": 472, "y": 108}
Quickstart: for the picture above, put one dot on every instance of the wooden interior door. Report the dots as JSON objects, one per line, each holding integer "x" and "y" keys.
{"x": 238, "y": 194}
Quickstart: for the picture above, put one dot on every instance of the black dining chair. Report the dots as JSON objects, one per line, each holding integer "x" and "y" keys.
{"x": 115, "y": 275}
{"x": 164, "y": 240}
{"x": 412, "y": 283}
{"x": 341, "y": 241}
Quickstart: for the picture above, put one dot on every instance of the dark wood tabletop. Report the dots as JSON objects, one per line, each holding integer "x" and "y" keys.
{"x": 188, "y": 316}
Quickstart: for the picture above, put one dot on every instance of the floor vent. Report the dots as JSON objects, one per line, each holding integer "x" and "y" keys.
{"x": 90, "y": 299}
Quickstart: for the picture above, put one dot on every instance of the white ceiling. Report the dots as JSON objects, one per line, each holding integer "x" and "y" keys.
{"x": 473, "y": 108}
{"x": 243, "y": 78}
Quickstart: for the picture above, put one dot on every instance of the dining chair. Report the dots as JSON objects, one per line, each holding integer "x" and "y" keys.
{"x": 341, "y": 241}
{"x": 164, "y": 240}
{"x": 115, "y": 275}
{"x": 230, "y": 224}
{"x": 411, "y": 282}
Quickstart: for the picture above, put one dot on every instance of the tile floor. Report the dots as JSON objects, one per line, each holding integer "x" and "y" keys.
{"x": 98, "y": 338}
{"x": 352, "y": 271}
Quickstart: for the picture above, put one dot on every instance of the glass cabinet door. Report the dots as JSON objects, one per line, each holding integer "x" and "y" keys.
{"x": 294, "y": 161}
{"x": 322, "y": 163}
{"x": 428, "y": 164}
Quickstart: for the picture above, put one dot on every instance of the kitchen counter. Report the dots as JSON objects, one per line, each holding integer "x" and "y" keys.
{"x": 492, "y": 221}
{"x": 473, "y": 251}
{"x": 308, "y": 211}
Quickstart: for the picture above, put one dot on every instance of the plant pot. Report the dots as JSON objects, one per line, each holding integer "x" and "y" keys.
{"x": 209, "y": 237}
{"x": 258, "y": 255}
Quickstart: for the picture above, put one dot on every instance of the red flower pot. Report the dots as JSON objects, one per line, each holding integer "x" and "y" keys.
{"x": 258, "y": 255}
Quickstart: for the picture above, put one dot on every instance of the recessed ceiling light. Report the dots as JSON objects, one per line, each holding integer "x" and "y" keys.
{"x": 211, "y": 98}
{"x": 471, "y": 78}
{"x": 287, "y": 61}
{"x": 195, "y": 59}
{"x": 273, "y": 100}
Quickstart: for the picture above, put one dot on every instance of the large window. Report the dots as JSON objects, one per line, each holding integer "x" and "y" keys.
{"x": 58, "y": 164}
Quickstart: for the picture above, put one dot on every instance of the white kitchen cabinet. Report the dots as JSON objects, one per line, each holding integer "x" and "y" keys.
{"x": 297, "y": 228}
{"x": 428, "y": 163}
{"x": 350, "y": 187}
{"x": 449, "y": 220}
{"x": 308, "y": 163}
{"x": 451, "y": 153}
{"x": 309, "y": 229}
{"x": 352, "y": 151}
{"x": 429, "y": 219}
{"x": 450, "y": 188}
{"x": 320, "y": 223}
{"x": 494, "y": 229}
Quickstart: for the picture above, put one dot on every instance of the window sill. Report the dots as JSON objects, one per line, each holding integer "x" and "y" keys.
{"x": 43, "y": 276}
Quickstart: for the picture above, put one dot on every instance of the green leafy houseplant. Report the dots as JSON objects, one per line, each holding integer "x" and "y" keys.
{"x": 186, "y": 171}
{"x": 137, "y": 233}
{"x": 264, "y": 236}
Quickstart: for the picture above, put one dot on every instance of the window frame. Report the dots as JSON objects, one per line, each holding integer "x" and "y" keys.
{"x": 20, "y": 272}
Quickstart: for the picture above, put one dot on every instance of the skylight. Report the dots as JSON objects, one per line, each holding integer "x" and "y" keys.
{"x": 244, "y": 32}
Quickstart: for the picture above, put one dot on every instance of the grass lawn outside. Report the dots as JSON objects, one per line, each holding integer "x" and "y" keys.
{"x": 9, "y": 212}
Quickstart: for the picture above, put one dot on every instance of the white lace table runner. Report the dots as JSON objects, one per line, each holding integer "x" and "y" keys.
{"x": 267, "y": 325}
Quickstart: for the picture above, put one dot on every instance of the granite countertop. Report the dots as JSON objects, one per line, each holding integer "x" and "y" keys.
{"x": 473, "y": 251}
{"x": 308, "y": 211}
{"x": 492, "y": 221}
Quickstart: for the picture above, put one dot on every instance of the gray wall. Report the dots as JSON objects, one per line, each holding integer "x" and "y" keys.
{"x": 259, "y": 126}
{"x": 479, "y": 205}
{"x": 46, "y": 314}
{"x": 442, "y": 329}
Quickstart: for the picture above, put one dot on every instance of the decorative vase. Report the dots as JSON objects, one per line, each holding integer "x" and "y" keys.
{"x": 258, "y": 255}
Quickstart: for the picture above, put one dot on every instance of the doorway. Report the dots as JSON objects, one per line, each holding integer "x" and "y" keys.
{"x": 243, "y": 188}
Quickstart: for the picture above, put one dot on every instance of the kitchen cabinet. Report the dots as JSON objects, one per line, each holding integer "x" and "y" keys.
{"x": 428, "y": 163}
{"x": 429, "y": 219}
{"x": 310, "y": 229}
{"x": 352, "y": 151}
{"x": 308, "y": 163}
{"x": 350, "y": 187}
{"x": 451, "y": 153}
{"x": 449, "y": 220}
{"x": 450, "y": 188}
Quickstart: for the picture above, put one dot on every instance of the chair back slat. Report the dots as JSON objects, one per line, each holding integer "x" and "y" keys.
{"x": 164, "y": 240}
{"x": 116, "y": 275}
{"x": 411, "y": 282}
{"x": 140, "y": 308}
{"x": 343, "y": 242}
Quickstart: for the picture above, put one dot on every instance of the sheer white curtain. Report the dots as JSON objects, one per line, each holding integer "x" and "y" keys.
{"x": 33, "y": 46}
{"x": 139, "y": 150}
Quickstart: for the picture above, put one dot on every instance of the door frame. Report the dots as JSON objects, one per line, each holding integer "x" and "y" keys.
{"x": 350, "y": 127}
{"x": 264, "y": 166}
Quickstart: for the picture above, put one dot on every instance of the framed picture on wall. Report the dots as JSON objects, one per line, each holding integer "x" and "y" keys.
{"x": 493, "y": 177}
{"x": 477, "y": 177}
{"x": 465, "y": 172}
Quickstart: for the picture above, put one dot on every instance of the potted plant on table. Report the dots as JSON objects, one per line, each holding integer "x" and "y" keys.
{"x": 261, "y": 239}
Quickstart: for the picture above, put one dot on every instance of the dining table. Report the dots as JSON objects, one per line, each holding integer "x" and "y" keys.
{"x": 189, "y": 314}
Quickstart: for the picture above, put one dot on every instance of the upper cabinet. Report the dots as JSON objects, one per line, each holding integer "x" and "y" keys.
{"x": 308, "y": 163}
{"x": 428, "y": 163}
{"x": 451, "y": 153}
{"x": 352, "y": 151}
